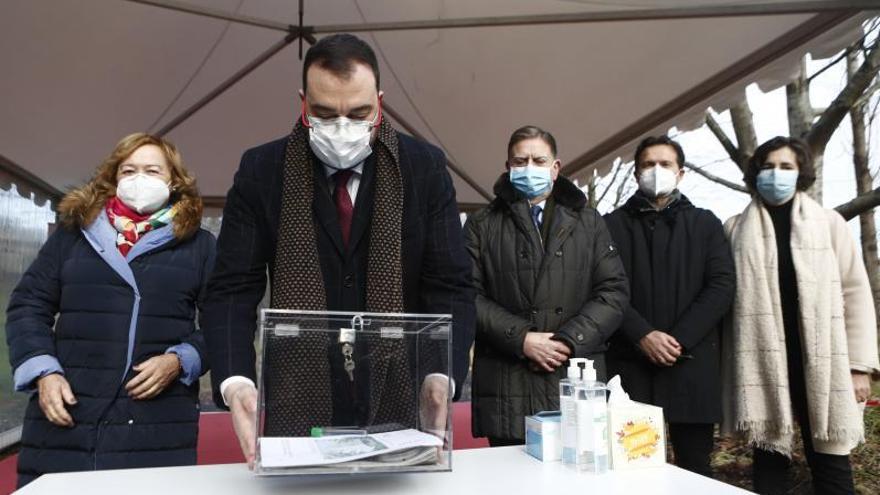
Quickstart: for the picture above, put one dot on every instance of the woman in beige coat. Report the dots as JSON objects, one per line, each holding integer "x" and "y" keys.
{"x": 801, "y": 343}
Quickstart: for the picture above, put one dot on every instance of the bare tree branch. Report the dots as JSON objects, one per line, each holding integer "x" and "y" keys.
{"x": 865, "y": 201}
{"x": 822, "y": 130}
{"x": 591, "y": 190}
{"x": 866, "y": 96}
{"x": 859, "y": 204}
{"x": 834, "y": 62}
{"x": 620, "y": 188}
{"x": 723, "y": 138}
{"x": 610, "y": 184}
{"x": 860, "y": 44}
{"x": 714, "y": 178}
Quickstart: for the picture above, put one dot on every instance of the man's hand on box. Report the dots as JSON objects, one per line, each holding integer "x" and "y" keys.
{"x": 434, "y": 406}
{"x": 242, "y": 401}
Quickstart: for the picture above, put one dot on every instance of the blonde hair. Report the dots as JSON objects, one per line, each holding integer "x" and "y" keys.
{"x": 81, "y": 206}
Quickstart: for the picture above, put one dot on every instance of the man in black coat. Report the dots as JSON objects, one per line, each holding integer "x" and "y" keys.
{"x": 345, "y": 214}
{"x": 682, "y": 278}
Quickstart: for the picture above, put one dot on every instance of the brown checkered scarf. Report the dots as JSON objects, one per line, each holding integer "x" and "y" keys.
{"x": 297, "y": 283}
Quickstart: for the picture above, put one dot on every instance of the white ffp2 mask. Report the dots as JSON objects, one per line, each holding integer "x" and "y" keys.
{"x": 657, "y": 181}
{"x": 142, "y": 193}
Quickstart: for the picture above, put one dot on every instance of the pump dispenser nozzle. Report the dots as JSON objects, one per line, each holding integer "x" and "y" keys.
{"x": 575, "y": 370}
{"x": 589, "y": 370}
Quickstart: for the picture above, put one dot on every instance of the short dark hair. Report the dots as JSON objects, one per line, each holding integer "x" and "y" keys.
{"x": 806, "y": 170}
{"x": 663, "y": 140}
{"x": 338, "y": 53}
{"x": 531, "y": 132}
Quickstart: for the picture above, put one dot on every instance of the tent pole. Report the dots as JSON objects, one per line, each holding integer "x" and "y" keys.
{"x": 244, "y": 71}
{"x": 215, "y": 13}
{"x": 452, "y": 166}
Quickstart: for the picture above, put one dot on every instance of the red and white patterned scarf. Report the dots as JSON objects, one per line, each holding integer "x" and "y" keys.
{"x": 131, "y": 225}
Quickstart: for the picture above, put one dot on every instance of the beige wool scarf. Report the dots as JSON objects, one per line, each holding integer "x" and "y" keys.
{"x": 756, "y": 396}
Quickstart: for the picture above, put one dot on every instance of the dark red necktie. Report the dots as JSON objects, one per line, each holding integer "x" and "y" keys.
{"x": 344, "y": 208}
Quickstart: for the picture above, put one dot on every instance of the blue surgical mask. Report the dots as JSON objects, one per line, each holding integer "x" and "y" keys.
{"x": 531, "y": 180}
{"x": 777, "y": 186}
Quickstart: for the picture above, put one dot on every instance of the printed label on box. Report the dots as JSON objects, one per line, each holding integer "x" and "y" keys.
{"x": 638, "y": 436}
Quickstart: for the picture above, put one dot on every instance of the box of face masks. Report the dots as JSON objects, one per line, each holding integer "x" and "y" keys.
{"x": 544, "y": 436}
{"x": 636, "y": 432}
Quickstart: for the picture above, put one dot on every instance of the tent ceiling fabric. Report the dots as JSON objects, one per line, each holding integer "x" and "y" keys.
{"x": 79, "y": 74}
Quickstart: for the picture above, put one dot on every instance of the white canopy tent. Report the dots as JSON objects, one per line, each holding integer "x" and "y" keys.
{"x": 220, "y": 76}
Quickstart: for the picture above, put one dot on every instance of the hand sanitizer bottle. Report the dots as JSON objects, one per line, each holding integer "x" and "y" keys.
{"x": 568, "y": 410}
{"x": 592, "y": 423}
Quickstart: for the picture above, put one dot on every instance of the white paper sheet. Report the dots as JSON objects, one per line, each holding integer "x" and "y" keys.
{"x": 278, "y": 452}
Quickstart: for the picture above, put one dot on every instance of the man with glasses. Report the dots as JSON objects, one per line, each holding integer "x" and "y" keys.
{"x": 344, "y": 214}
{"x": 550, "y": 286}
{"x": 680, "y": 269}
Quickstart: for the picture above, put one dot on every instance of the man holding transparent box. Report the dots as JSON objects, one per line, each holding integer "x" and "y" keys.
{"x": 344, "y": 214}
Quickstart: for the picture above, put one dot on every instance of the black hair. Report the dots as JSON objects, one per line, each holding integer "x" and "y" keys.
{"x": 806, "y": 170}
{"x": 338, "y": 53}
{"x": 531, "y": 132}
{"x": 663, "y": 140}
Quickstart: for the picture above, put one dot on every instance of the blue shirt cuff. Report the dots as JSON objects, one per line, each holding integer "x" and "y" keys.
{"x": 36, "y": 367}
{"x": 190, "y": 362}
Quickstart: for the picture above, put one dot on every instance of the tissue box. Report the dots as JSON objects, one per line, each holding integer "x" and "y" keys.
{"x": 544, "y": 436}
{"x": 637, "y": 436}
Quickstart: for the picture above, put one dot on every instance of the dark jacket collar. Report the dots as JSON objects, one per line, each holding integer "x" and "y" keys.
{"x": 639, "y": 203}
{"x": 564, "y": 193}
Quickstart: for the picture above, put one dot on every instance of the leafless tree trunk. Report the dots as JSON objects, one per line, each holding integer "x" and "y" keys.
{"x": 864, "y": 185}
{"x": 744, "y": 130}
{"x": 800, "y": 110}
{"x": 800, "y": 120}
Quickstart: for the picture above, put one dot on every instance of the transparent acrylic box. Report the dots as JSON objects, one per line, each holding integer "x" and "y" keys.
{"x": 398, "y": 393}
